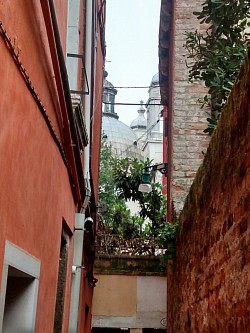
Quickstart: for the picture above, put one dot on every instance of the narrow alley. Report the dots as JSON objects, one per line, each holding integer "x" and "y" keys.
{"x": 125, "y": 166}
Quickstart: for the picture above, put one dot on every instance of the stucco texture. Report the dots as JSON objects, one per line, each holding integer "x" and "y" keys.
{"x": 35, "y": 194}
{"x": 131, "y": 301}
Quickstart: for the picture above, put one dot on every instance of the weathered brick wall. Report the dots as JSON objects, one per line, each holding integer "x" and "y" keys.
{"x": 189, "y": 120}
{"x": 209, "y": 284}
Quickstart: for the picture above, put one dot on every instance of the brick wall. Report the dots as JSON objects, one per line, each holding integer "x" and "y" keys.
{"x": 209, "y": 284}
{"x": 189, "y": 121}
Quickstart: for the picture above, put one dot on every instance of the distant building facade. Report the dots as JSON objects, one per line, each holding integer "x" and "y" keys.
{"x": 122, "y": 139}
{"x": 143, "y": 138}
{"x": 131, "y": 298}
{"x": 153, "y": 145}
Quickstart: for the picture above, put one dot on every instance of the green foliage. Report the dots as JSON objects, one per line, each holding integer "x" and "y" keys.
{"x": 212, "y": 124}
{"x": 114, "y": 214}
{"x": 127, "y": 226}
{"x": 216, "y": 55}
{"x": 167, "y": 234}
{"x": 127, "y": 174}
{"x": 108, "y": 197}
{"x": 147, "y": 232}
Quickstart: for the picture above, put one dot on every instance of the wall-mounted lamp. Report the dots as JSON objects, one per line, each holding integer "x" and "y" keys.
{"x": 145, "y": 185}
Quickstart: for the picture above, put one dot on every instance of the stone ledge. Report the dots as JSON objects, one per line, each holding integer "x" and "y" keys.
{"x": 129, "y": 265}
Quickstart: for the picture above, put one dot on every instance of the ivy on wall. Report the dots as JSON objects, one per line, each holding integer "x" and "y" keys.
{"x": 216, "y": 54}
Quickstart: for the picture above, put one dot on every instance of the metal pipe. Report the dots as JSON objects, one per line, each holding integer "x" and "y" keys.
{"x": 79, "y": 235}
{"x": 64, "y": 96}
{"x": 68, "y": 103}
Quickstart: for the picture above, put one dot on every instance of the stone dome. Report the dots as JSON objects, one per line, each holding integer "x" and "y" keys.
{"x": 109, "y": 85}
{"x": 108, "y": 97}
{"x": 155, "y": 79}
{"x": 121, "y": 137}
{"x": 140, "y": 121}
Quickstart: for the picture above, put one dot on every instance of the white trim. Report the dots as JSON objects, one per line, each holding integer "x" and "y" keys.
{"x": 16, "y": 257}
{"x": 24, "y": 262}
{"x": 3, "y": 293}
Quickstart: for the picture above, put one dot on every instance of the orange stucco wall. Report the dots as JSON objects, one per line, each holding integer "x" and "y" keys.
{"x": 61, "y": 8}
{"x": 35, "y": 190}
{"x": 24, "y": 23}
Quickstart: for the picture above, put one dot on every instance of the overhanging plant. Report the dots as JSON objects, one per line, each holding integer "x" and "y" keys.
{"x": 216, "y": 54}
{"x": 145, "y": 233}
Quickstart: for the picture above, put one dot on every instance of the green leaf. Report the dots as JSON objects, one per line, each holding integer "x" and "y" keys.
{"x": 215, "y": 55}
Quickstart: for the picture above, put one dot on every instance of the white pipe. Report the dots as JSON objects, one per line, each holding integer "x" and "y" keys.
{"x": 87, "y": 101}
{"x": 77, "y": 264}
{"x": 79, "y": 221}
{"x": 76, "y": 277}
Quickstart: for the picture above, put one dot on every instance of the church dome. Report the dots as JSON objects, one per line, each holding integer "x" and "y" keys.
{"x": 121, "y": 137}
{"x": 108, "y": 97}
{"x": 140, "y": 121}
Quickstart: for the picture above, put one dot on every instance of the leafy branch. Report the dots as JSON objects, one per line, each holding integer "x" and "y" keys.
{"x": 215, "y": 55}
{"x": 144, "y": 233}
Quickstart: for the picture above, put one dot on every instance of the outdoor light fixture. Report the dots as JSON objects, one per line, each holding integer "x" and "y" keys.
{"x": 145, "y": 185}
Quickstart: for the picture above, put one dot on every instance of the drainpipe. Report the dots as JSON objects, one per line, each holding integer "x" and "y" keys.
{"x": 82, "y": 189}
{"x": 61, "y": 78}
{"x": 88, "y": 99}
{"x": 77, "y": 264}
{"x": 80, "y": 218}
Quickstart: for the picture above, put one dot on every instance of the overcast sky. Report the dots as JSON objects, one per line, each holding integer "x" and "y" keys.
{"x": 132, "y": 28}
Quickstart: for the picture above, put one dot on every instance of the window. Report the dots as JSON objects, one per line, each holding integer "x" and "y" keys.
{"x": 18, "y": 297}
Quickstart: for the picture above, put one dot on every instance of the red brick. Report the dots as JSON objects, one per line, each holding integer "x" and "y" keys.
{"x": 209, "y": 286}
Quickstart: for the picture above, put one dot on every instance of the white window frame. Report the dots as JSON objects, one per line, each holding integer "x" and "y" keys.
{"x": 26, "y": 263}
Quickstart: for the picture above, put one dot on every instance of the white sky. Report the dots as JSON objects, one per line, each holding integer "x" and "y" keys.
{"x": 132, "y": 28}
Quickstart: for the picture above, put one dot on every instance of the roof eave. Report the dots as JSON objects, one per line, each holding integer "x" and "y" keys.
{"x": 166, "y": 15}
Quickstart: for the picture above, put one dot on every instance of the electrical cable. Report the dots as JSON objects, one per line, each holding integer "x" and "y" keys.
{"x": 146, "y": 132}
{"x": 139, "y": 87}
{"x": 131, "y": 104}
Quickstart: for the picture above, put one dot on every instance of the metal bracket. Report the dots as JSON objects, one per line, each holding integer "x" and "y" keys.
{"x": 80, "y": 92}
{"x": 162, "y": 167}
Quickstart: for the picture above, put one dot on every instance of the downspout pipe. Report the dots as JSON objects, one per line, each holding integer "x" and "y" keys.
{"x": 88, "y": 99}
{"x": 66, "y": 87}
{"x": 92, "y": 66}
{"x": 79, "y": 235}
{"x": 77, "y": 267}
{"x": 63, "y": 87}
{"x": 62, "y": 83}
